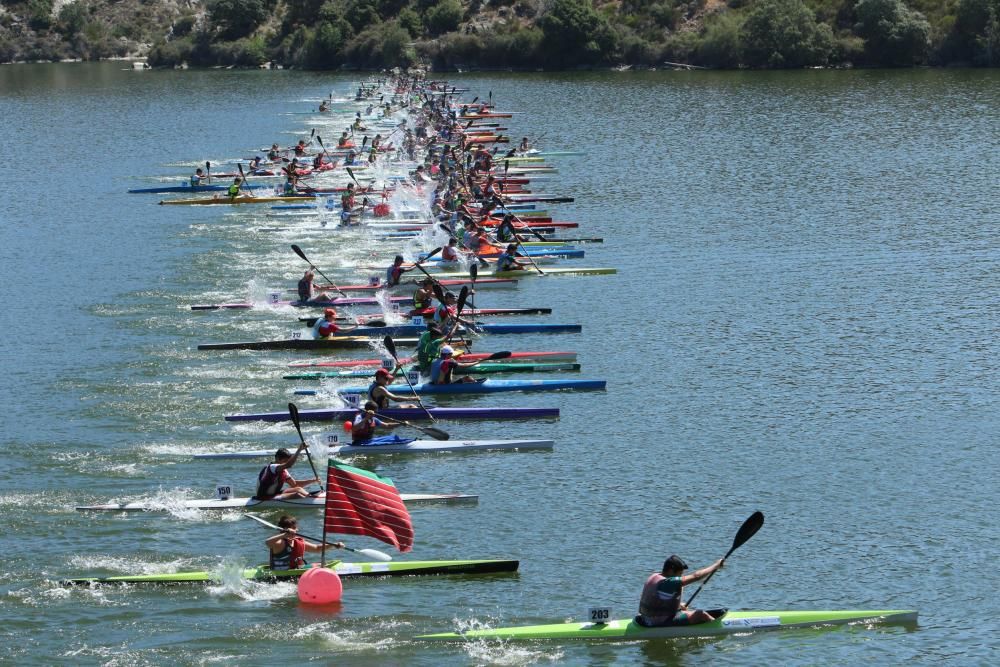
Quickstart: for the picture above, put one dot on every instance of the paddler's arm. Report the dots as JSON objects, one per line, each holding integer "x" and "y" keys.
{"x": 291, "y": 461}
{"x": 698, "y": 575}
{"x": 312, "y": 546}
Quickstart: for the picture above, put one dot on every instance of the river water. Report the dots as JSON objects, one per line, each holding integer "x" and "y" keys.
{"x": 804, "y": 322}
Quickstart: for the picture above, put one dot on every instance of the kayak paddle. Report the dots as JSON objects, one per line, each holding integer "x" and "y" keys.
{"x": 746, "y": 531}
{"x": 390, "y": 345}
{"x": 374, "y": 554}
{"x": 208, "y": 171}
{"x": 435, "y": 433}
{"x": 298, "y": 251}
{"x": 293, "y": 412}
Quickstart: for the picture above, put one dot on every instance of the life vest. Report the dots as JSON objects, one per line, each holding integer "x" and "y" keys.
{"x": 292, "y": 557}
{"x": 443, "y": 313}
{"x": 393, "y": 274}
{"x": 269, "y": 482}
{"x": 655, "y": 605}
{"x": 441, "y": 371}
{"x": 233, "y": 190}
{"x": 428, "y": 348}
{"x": 195, "y": 180}
{"x": 383, "y": 402}
{"x": 305, "y": 290}
{"x": 363, "y": 429}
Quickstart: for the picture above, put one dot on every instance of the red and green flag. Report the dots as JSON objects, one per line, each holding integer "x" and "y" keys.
{"x": 361, "y": 502}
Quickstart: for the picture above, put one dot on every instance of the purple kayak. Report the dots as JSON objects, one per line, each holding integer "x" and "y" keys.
{"x": 408, "y": 414}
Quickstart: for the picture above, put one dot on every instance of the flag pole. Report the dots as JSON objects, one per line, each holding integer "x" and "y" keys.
{"x": 326, "y": 499}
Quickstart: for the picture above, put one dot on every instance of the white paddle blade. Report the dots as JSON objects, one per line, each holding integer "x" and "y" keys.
{"x": 375, "y": 554}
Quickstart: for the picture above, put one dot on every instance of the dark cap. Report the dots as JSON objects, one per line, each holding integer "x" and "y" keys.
{"x": 674, "y": 563}
{"x": 282, "y": 454}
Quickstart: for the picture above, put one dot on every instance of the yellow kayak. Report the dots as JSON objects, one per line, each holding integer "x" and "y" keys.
{"x": 242, "y": 199}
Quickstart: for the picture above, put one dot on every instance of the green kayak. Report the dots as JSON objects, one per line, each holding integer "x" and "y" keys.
{"x": 346, "y": 570}
{"x": 481, "y": 368}
{"x": 726, "y": 623}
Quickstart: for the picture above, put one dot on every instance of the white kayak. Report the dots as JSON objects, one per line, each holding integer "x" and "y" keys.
{"x": 252, "y": 503}
{"x": 414, "y": 447}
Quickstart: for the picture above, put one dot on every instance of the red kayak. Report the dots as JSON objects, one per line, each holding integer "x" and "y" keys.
{"x": 453, "y": 282}
{"x": 468, "y": 356}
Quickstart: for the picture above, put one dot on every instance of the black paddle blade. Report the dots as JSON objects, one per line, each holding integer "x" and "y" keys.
{"x": 438, "y": 292}
{"x": 390, "y": 346}
{"x": 747, "y": 530}
{"x": 376, "y": 323}
{"x": 435, "y": 433}
{"x": 293, "y": 412}
{"x": 506, "y": 354}
{"x": 298, "y": 251}
{"x": 462, "y": 297}
{"x": 474, "y": 272}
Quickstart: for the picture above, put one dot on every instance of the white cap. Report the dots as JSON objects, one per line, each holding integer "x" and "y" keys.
{"x": 447, "y": 349}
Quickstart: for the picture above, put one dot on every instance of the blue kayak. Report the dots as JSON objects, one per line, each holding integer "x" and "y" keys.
{"x": 489, "y": 386}
{"x": 166, "y": 189}
{"x": 496, "y": 329}
{"x": 532, "y": 252}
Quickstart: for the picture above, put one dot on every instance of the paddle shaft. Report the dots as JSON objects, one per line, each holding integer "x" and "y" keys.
{"x": 298, "y": 251}
{"x": 293, "y": 412}
{"x": 391, "y": 347}
{"x": 746, "y": 531}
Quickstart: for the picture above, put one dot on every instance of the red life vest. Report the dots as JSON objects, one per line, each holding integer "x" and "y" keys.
{"x": 293, "y": 556}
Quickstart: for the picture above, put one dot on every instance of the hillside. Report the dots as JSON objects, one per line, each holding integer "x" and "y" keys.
{"x": 508, "y": 34}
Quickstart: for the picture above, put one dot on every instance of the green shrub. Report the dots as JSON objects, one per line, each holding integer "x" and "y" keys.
{"x": 575, "y": 34}
{"x": 237, "y": 18}
{"x": 720, "y": 45}
{"x": 893, "y": 33}
{"x": 784, "y": 33}
{"x": 444, "y": 17}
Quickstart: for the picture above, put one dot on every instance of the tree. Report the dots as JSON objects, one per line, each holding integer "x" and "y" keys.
{"x": 975, "y": 36}
{"x": 237, "y": 18}
{"x": 784, "y": 34}
{"x": 444, "y": 17}
{"x": 721, "y": 45}
{"x": 894, "y": 34}
{"x": 576, "y": 34}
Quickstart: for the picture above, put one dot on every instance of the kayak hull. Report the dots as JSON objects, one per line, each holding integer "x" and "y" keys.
{"x": 334, "y": 343}
{"x": 524, "y": 273}
{"x": 481, "y": 368}
{"x": 407, "y": 414}
{"x": 252, "y": 503}
{"x": 492, "y": 386}
{"x": 467, "y": 356}
{"x": 415, "y": 447}
{"x": 729, "y": 623}
{"x": 344, "y": 570}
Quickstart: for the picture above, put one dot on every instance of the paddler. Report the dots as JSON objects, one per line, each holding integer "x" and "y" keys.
{"x": 274, "y": 476}
{"x": 324, "y": 106}
{"x": 450, "y": 253}
{"x": 326, "y": 326}
{"x": 379, "y": 393}
{"x": 505, "y": 230}
{"x": 662, "y": 603}
{"x": 289, "y": 189}
{"x": 300, "y": 148}
{"x": 443, "y": 368}
{"x": 365, "y": 423}
{"x": 422, "y": 296}
{"x": 287, "y": 550}
{"x": 507, "y": 260}
{"x": 395, "y": 272}
{"x": 524, "y": 146}
{"x": 429, "y": 347}
{"x": 197, "y": 177}
{"x": 233, "y": 191}
{"x": 274, "y": 154}
{"x": 254, "y": 165}
{"x": 344, "y": 140}
{"x": 306, "y": 287}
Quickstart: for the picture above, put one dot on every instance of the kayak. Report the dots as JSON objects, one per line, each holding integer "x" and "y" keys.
{"x": 242, "y": 199}
{"x": 489, "y": 386}
{"x": 427, "y": 312}
{"x": 166, "y": 189}
{"x": 412, "y": 447}
{"x": 481, "y": 368}
{"x": 726, "y": 623}
{"x": 524, "y": 273}
{"x": 495, "y": 329}
{"x": 348, "y": 301}
{"x": 453, "y": 280}
{"x": 407, "y": 414}
{"x": 464, "y": 356}
{"x": 252, "y": 503}
{"x": 264, "y": 573}
{"x": 334, "y": 343}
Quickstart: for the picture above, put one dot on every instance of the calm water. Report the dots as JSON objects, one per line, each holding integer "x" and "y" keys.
{"x": 805, "y": 322}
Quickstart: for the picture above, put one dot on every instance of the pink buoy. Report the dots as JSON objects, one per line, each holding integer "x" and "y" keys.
{"x": 320, "y": 585}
